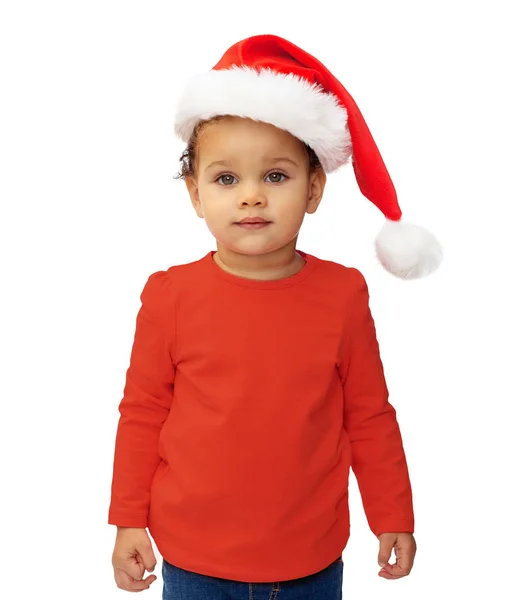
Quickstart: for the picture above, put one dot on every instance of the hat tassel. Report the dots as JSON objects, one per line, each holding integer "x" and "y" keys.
{"x": 407, "y": 251}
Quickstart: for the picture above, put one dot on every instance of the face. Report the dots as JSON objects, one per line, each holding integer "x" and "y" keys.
{"x": 245, "y": 168}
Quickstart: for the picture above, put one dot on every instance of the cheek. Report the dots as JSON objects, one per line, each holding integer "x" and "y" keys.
{"x": 214, "y": 206}
{"x": 293, "y": 217}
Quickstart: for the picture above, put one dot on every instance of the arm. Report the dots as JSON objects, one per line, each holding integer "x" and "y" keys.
{"x": 377, "y": 455}
{"x": 145, "y": 405}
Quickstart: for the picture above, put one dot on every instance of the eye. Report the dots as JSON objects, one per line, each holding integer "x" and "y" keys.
{"x": 221, "y": 179}
{"x": 280, "y": 175}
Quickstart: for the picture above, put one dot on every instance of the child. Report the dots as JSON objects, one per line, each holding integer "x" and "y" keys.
{"x": 255, "y": 379}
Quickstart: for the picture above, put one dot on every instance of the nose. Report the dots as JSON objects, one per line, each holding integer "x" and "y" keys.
{"x": 252, "y": 196}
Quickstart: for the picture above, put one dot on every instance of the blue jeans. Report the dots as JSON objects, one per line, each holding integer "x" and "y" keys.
{"x": 179, "y": 584}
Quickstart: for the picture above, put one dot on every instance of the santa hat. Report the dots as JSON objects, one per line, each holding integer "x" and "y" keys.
{"x": 267, "y": 78}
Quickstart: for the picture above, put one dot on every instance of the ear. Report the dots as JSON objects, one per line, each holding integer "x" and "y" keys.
{"x": 318, "y": 179}
{"x": 192, "y": 188}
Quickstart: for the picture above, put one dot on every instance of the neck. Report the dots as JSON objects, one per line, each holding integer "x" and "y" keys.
{"x": 273, "y": 265}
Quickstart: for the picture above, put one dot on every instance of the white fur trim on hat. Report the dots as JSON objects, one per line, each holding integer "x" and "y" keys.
{"x": 285, "y": 101}
{"x": 407, "y": 251}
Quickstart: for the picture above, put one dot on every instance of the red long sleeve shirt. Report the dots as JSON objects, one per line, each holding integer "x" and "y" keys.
{"x": 246, "y": 403}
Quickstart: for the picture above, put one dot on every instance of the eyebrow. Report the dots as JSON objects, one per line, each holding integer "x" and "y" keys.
{"x": 227, "y": 163}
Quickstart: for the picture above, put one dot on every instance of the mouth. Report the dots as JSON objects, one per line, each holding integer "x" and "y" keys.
{"x": 254, "y": 224}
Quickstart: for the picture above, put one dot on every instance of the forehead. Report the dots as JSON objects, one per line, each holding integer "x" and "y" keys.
{"x": 237, "y": 135}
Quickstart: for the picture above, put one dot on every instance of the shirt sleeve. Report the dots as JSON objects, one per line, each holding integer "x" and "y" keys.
{"x": 145, "y": 405}
{"x": 377, "y": 454}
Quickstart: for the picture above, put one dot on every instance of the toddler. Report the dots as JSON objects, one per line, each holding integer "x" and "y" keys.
{"x": 255, "y": 381}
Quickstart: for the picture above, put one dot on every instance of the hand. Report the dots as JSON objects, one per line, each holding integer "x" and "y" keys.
{"x": 133, "y": 554}
{"x": 405, "y": 549}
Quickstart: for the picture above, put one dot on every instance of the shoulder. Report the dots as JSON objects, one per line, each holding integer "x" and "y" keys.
{"x": 157, "y": 282}
{"x": 158, "y": 293}
{"x": 168, "y": 283}
{"x": 172, "y": 276}
{"x": 357, "y": 279}
{"x": 182, "y": 273}
{"x": 348, "y": 278}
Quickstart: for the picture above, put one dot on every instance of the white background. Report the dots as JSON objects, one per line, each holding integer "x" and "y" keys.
{"x": 90, "y": 208}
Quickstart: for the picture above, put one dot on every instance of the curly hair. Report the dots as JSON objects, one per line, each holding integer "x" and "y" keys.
{"x": 188, "y": 157}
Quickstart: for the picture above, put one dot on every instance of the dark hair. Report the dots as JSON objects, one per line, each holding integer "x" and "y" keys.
{"x": 187, "y": 159}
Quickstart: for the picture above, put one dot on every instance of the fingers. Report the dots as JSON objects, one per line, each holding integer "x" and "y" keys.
{"x": 133, "y": 554}
{"x": 405, "y": 549}
{"x": 129, "y": 572}
{"x": 125, "y": 582}
{"x": 146, "y": 555}
{"x": 387, "y": 541}
{"x": 394, "y": 571}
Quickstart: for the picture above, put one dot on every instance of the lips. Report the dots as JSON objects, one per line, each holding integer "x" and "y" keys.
{"x": 252, "y": 224}
{"x": 250, "y": 220}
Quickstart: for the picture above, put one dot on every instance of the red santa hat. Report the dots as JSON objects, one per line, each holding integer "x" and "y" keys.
{"x": 267, "y": 78}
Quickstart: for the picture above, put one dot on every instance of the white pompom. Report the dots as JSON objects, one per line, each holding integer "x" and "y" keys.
{"x": 407, "y": 251}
